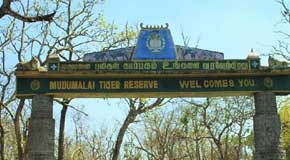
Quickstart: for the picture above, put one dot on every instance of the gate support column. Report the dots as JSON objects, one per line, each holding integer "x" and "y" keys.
{"x": 266, "y": 127}
{"x": 41, "y": 129}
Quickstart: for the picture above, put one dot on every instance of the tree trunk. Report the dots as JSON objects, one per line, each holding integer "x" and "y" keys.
{"x": 226, "y": 147}
{"x": 188, "y": 147}
{"x": 239, "y": 149}
{"x": 129, "y": 119}
{"x": 211, "y": 151}
{"x": 18, "y": 130}
{"x": 1, "y": 139}
{"x": 288, "y": 153}
{"x": 197, "y": 150}
{"x": 61, "y": 133}
{"x": 220, "y": 150}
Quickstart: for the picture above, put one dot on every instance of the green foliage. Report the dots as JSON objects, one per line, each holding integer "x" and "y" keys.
{"x": 249, "y": 141}
{"x": 285, "y": 125}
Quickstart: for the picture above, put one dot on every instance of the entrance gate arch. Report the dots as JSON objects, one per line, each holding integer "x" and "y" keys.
{"x": 154, "y": 69}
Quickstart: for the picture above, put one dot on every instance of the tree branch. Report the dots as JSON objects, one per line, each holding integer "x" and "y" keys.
{"x": 48, "y": 17}
{"x": 5, "y": 9}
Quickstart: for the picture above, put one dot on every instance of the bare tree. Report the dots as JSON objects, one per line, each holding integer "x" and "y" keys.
{"x": 282, "y": 48}
{"x": 6, "y": 9}
{"x": 194, "y": 130}
{"x": 99, "y": 144}
{"x": 6, "y": 80}
{"x": 73, "y": 31}
{"x": 223, "y": 117}
{"x": 65, "y": 104}
{"x": 214, "y": 128}
{"x": 163, "y": 136}
{"x": 137, "y": 106}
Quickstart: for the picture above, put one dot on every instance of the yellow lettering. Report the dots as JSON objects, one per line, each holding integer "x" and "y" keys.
{"x": 246, "y": 82}
{"x": 52, "y": 85}
{"x": 231, "y": 83}
{"x": 139, "y": 84}
{"x": 68, "y": 85}
{"x": 184, "y": 84}
{"x": 189, "y": 84}
{"x": 155, "y": 84}
{"x": 218, "y": 83}
{"x": 91, "y": 85}
{"x": 109, "y": 84}
{"x": 80, "y": 84}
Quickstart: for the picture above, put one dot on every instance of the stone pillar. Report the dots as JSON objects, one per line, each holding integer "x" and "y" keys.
{"x": 266, "y": 127}
{"x": 40, "y": 145}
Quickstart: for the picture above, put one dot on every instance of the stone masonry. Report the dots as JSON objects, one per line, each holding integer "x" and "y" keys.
{"x": 41, "y": 129}
{"x": 266, "y": 127}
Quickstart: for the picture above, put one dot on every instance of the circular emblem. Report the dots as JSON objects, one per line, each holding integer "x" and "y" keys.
{"x": 268, "y": 82}
{"x": 155, "y": 43}
{"x": 35, "y": 85}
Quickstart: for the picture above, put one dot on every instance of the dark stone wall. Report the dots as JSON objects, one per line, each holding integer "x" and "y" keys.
{"x": 41, "y": 129}
{"x": 266, "y": 127}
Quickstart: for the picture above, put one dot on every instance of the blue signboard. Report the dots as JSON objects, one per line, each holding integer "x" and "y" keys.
{"x": 154, "y": 43}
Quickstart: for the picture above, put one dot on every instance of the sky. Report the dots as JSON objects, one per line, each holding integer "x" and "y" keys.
{"x": 229, "y": 26}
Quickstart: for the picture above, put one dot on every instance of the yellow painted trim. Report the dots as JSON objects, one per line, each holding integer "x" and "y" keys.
{"x": 153, "y": 94}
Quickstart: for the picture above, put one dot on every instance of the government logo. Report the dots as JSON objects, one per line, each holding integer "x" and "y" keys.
{"x": 155, "y": 43}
